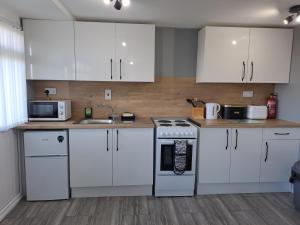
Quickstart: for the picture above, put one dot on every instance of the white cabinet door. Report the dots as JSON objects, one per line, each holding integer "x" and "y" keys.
{"x": 245, "y": 155}
{"x": 278, "y": 156}
{"x": 214, "y": 155}
{"x": 94, "y": 50}
{"x": 135, "y": 46}
{"x": 90, "y": 157}
{"x": 133, "y": 156}
{"x": 222, "y": 54}
{"x": 270, "y": 55}
{"x": 49, "y": 50}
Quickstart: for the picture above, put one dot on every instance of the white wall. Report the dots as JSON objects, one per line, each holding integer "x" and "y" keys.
{"x": 289, "y": 94}
{"x": 9, "y": 160}
{"x": 9, "y": 171}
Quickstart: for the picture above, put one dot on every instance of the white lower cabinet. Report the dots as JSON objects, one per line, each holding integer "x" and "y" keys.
{"x": 214, "y": 155}
{"x": 246, "y": 160}
{"x": 278, "y": 156}
{"x": 245, "y": 155}
{"x": 229, "y": 155}
{"x": 90, "y": 157}
{"x": 111, "y": 157}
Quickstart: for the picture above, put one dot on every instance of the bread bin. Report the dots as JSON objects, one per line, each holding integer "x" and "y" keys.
{"x": 257, "y": 112}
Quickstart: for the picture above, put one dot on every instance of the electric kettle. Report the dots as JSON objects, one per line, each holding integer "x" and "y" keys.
{"x": 212, "y": 110}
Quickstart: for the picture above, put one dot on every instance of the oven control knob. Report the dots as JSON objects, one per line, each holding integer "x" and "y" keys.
{"x": 176, "y": 134}
{"x": 191, "y": 133}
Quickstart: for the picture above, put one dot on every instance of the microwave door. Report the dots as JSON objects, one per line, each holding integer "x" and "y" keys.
{"x": 43, "y": 110}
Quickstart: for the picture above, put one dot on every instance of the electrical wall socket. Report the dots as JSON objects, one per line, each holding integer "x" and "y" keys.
{"x": 52, "y": 91}
{"x": 108, "y": 94}
{"x": 247, "y": 94}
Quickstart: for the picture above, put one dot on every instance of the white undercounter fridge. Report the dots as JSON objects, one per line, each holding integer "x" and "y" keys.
{"x": 46, "y": 165}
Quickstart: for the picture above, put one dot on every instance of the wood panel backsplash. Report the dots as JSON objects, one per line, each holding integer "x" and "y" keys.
{"x": 166, "y": 97}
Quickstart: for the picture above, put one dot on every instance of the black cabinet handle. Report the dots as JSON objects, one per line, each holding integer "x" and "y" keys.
{"x": 267, "y": 152}
{"x": 111, "y": 75}
{"x": 227, "y": 133}
{"x": 120, "y": 69}
{"x": 107, "y": 132}
{"x": 252, "y": 71}
{"x": 236, "y": 138}
{"x": 244, "y": 71}
{"x": 117, "y": 140}
{"x": 282, "y": 133}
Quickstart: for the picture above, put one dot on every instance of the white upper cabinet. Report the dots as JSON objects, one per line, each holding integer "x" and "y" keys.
{"x": 237, "y": 55}
{"x": 270, "y": 55}
{"x": 49, "y": 50}
{"x": 94, "y": 50}
{"x": 135, "y": 50}
{"x": 222, "y": 54}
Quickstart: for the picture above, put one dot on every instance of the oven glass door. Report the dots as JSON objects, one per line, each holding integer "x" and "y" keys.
{"x": 165, "y": 156}
{"x": 43, "y": 110}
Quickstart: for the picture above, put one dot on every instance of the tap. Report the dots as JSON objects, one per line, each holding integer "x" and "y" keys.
{"x": 112, "y": 115}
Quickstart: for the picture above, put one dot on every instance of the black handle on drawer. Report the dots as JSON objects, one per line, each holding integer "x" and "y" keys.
{"x": 244, "y": 71}
{"x": 227, "y": 136}
{"x": 267, "y": 152}
{"x": 117, "y": 140}
{"x": 282, "y": 133}
{"x": 252, "y": 71}
{"x": 236, "y": 138}
{"x": 107, "y": 132}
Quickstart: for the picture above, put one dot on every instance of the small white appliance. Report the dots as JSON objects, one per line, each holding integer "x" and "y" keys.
{"x": 257, "y": 112}
{"x": 212, "y": 110}
{"x": 49, "y": 110}
{"x": 46, "y": 165}
{"x": 167, "y": 182}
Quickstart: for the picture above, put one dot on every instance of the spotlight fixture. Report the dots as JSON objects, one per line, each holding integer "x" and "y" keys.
{"x": 118, "y": 3}
{"x": 294, "y": 10}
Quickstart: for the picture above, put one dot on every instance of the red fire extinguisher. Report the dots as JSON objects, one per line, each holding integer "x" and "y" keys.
{"x": 272, "y": 106}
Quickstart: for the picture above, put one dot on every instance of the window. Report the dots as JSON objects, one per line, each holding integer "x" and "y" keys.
{"x": 13, "y": 94}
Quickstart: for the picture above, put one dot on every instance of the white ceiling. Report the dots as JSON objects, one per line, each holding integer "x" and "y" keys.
{"x": 171, "y": 13}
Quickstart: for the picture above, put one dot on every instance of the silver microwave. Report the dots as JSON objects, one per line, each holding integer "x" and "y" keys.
{"x": 49, "y": 110}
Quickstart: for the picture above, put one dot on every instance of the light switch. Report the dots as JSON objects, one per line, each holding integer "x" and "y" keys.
{"x": 108, "y": 94}
{"x": 247, "y": 94}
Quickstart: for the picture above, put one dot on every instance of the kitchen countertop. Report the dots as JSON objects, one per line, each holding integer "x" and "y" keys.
{"x": 72, "y": 124}
{"x": 246, "y": 123}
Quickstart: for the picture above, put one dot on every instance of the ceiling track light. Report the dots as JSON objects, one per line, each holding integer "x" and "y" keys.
{"x": 294, "y": 10}
{"x": 118, "y": 3}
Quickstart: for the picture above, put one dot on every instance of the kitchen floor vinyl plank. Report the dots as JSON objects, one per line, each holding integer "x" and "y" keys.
{"x": 233, "y": 209}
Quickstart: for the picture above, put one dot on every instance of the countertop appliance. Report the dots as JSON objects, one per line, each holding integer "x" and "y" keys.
{"x": 46, "y": 165}
{"x": 212, "y": 111}
{"x": 257, "y": 112}
{"x": 167, "y": 182}
{"x": 234, "y": 112}
{"x": 49, "y": 110}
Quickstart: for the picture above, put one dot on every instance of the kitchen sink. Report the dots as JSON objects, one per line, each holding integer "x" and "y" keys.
{"x": 96, "y": 121}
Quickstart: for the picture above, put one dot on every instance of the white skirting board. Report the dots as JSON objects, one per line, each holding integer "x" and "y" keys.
{"x": 91, "y": 192}
{"x": 4, "y": 212}
{"x": 207, "y": 189}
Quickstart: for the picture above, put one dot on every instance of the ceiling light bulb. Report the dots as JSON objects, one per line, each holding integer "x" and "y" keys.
{"x": 126, "y": 3}
{"x": 298, "y": 18}
{"x": 106, "y": 2}
{"x": 234, "y": 42}
{"x": 288, "y": 20}
{"x": 124, "y": 44}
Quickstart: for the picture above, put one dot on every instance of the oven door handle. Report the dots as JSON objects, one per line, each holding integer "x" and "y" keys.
{"x": 171, "y": 142}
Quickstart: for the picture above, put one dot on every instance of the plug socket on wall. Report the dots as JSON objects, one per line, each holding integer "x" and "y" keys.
{"x": 52, "y": 91}
{"x": 247, "y": 94}
{"x": 108, "y": 94}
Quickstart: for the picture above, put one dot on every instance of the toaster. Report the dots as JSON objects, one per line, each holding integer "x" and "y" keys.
{"x": 257, "y": 112}
{"x": 234, "y": 112}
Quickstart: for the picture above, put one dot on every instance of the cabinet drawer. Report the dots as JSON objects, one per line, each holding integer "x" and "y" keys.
{"x": 281, "y": 133}
{"x": 45, "y": 143}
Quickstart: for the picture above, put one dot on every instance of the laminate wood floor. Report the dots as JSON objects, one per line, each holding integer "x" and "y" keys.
{"x": 242, "y": 209}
